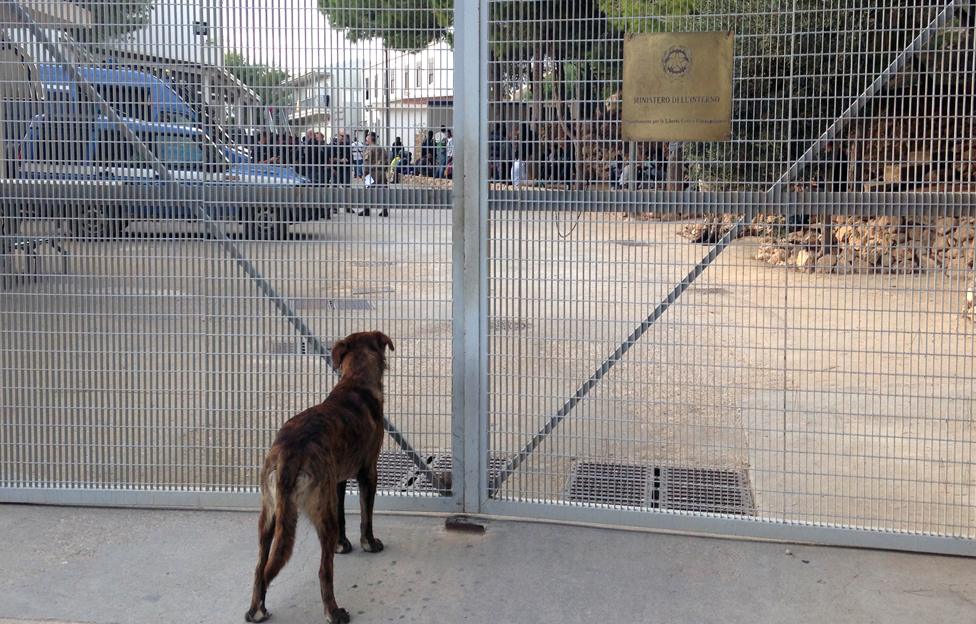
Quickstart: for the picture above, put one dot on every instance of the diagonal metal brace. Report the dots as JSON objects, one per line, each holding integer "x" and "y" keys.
{"x": 15, "y": 9}
{"x": 833, "y": 131}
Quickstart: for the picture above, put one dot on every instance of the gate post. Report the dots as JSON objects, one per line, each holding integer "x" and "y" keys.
{"x": 469, "y": 348}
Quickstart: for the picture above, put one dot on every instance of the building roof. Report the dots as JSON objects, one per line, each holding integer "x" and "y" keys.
{"x": 307, "y": 78}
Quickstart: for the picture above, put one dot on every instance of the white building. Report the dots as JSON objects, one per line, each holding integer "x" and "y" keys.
{"x": 328, "y": 100}
{"x": 408, "y": 93}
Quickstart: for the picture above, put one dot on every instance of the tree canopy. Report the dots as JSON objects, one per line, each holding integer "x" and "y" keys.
{"x": 264, "y": 80}
{"x": 408, "y": 25}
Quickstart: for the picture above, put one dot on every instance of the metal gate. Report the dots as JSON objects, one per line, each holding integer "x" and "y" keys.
{"x": 770, "y": 335}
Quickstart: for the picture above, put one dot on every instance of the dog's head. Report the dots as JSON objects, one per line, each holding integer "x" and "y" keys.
{"x": 362, "y": 351}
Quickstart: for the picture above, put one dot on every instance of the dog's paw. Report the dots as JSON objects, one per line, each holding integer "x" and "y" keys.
{"x": 371, "y": 546}
{"x": 344, "y": 546}
{"x": 258, "y": 614}
{"x": 339, "y": 616}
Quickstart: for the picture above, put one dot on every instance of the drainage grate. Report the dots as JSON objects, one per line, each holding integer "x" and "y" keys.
{"x": 396, "y": 472}
{"x": 705, "y": 490}
{"x": 444, "y": 461}
{"x": 310, "y": 303}
{"x": 678, "y": 488}
{"x": 351, "y": 304}
{"x": 378, "y": 290}
{"x": 634, "y": 243}
{"x": 608, "y": 484}
{"x": 502, "y": 324}
{"x": 394, "y": 469}
{"x": 287, "y": 347}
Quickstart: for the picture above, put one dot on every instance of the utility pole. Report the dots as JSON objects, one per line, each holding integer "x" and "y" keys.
{"x": 386, "y": 95}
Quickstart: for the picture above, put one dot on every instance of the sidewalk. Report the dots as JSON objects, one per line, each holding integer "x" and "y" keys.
{"x": 139, "y": 567}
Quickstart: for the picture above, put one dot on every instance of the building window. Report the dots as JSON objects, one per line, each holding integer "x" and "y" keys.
{"x": 420, "y": 74}
{"x": 367, "y": 89}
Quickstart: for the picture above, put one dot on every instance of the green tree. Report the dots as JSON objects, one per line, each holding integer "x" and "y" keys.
{"x": 401, "y": 24}
{"x": 264, "y": 80}
{"x": 799, "y": 63}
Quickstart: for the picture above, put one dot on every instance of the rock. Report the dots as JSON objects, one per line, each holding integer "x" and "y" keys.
{"x": 889, "y": 221}
{"x": 826, "y": 264}
{"x": 965, "y": 232}
{"x": 945, "y": 224}
{"x": 804, "y": 260}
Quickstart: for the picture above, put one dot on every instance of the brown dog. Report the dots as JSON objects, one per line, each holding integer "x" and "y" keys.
{"x": 311, "y": 458}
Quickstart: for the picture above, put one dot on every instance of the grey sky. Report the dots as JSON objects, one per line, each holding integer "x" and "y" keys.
{"x": 291, "y": 34}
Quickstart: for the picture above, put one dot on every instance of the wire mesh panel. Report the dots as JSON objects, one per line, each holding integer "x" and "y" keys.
{"x": 198, "y": 199}
{"x": 778, "y": 321}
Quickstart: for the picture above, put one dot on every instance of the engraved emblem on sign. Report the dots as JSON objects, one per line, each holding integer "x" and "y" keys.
{"x": 676, "y": 62}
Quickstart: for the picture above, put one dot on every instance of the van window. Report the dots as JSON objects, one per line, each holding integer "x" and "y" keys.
{"x": 112, "y": 148}
{"x": 133, "y": 101}
{"x": 62, "y": 142}
{"x": 180, "y": 151}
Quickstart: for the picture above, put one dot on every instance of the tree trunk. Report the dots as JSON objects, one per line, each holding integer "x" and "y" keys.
{"x": 675, "y": 172}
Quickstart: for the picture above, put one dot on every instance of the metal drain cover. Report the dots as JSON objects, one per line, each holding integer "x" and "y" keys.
{"x": 706, "y": 490}
{"x": 351, "y": 304}
{"x": 678, "y": 488}
{"x": 397, "y": 472}
{"x": 609, "y": 484}
{"x": 310, "y": 303}
{"x": 393, "y": 469}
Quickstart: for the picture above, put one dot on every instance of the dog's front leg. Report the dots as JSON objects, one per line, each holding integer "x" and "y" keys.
{"x": 343, "y": 546}
{"x": 327, "y": 527}
{"x": 367, "y": 493}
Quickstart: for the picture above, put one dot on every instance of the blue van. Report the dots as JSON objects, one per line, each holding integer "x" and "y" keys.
{"x": 74, "y": 151}
{"x": 133, "y": 94}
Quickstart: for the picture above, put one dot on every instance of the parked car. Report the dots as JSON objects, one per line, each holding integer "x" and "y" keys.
{"x": 132, "y": 94}
{"x": 73, "y": 151}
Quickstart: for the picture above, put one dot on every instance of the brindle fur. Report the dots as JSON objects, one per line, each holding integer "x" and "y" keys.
{"x": 313, "y": 455}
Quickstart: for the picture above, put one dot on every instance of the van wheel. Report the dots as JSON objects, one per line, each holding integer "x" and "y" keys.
{"x": 265, "y": 224}
{"x": 97, "y": 223}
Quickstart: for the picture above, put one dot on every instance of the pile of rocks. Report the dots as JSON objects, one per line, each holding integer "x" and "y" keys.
{"x": 712, "y": 228}
{"x": 881, "y": 244}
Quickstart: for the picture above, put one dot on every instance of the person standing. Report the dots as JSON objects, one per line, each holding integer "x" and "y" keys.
{"x": 427, "y": 154}
{"x": 343, "y": 159}
{"x": 440, "y": 155}
{"x": 358, "y": 149}
{"x": 376, "y": 163}
{"x": 449, "y": 149}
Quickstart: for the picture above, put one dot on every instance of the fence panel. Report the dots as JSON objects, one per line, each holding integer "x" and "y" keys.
{"x": 805, "y": 367}
{"x": 188, "y": 228}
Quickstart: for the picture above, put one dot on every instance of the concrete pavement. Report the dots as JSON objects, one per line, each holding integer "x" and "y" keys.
{"x": 137, "y": 566}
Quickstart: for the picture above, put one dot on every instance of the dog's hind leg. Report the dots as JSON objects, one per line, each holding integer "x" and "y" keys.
{"x": 327, "y": 525}
{"x": 343, "y": 546}
{"x": 286, "y": 519}
{"x": 367, "y": 493}
{"x": 266, "y": 527}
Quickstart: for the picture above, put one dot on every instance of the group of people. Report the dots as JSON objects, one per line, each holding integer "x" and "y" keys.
{"x": 345, "y": 158}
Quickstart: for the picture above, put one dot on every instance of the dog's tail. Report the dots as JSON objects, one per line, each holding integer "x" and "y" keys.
{"x": 284, "y": 514}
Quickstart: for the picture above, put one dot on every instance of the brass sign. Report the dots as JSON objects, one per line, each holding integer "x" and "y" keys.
{"x": 678, "y": 86}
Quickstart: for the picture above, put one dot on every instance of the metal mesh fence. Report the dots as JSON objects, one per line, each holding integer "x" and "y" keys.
{"x": 198, "y": 199}
{"x": 776, "y": 327}
{"x": 808, "y": 359}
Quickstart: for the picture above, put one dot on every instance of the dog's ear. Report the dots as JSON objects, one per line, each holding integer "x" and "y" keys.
{"x": 339, "y": 351}
{"x": 382, "y": 340}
